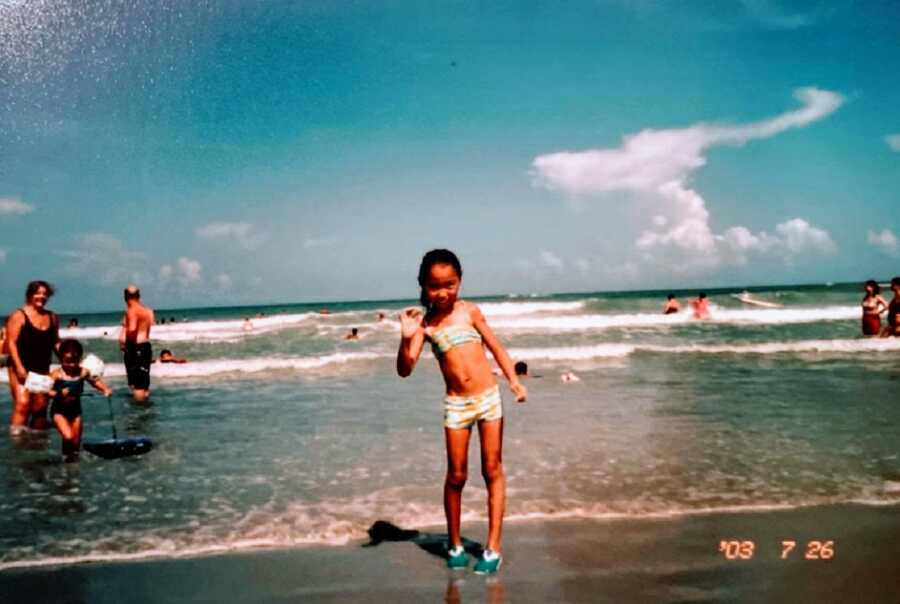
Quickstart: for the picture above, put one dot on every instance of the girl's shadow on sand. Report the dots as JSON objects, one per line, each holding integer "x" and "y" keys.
{"x": 433, "y": 543}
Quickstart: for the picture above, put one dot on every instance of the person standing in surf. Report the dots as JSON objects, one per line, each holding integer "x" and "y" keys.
{"x": 68, "y": 386}
{"x": 893, "y": 328}
{"x": 873, "y": 305}
{"x": 32, "y": 338}
{"x": 458, "y": 334}
{"x": 701, "y": 307}
{"x": 134, "y": 341}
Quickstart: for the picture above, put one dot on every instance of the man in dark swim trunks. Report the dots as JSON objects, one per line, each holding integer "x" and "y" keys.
{"x": 134, "y": 340}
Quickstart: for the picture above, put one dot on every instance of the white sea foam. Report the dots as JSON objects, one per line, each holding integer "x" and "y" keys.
{"x": 507, "y": 309}
{"x": 250, "y": 365}
{"x": 614, "y": 350}
{"x": 719, "y": 316}
{"x": 215, "y": 331}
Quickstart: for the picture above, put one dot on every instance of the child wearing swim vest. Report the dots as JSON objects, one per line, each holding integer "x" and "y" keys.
{"x": 458, "y": 334}
{"x": 68, "y": 386}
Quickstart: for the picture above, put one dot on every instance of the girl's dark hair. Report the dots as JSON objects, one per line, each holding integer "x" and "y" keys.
{"x": 33, "y": 286}
{"x": 70, "y": 346}
{"x": 876, "y": 289}
{"x": 430, "y": 259}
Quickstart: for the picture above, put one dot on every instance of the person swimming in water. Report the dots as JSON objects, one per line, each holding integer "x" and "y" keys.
{"x": 672, "y": 305}
{"x": 459, "y": 334}
{"x": 68, "y": 386}
{"x": 873, "y": 306}
{"x": 353, "y": 335}
{"x": 701, "y": 306}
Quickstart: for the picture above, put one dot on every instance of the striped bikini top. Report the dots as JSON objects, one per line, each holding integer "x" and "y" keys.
{"x": 445, "y": 338}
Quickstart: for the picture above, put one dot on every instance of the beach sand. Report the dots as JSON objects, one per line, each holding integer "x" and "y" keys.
{"x": 674, "y": 559}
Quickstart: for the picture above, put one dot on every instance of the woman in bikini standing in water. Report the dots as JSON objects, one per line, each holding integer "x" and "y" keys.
{"x": 32, "y": 338}
{"x": 873, "y": 305}
{"x": 458, "y": 334}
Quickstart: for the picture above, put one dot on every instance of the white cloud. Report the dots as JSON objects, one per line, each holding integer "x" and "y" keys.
{"x": 582, "y": 264}
{"x": 893, "y": 141}
{"x": 550, "y": 260}
{"x": 885, "y": 240}
{"x": 14, "y": 207}
{"x": 102, "y": 257}
{"x": 657, "y": 165}
{"x": 2, "y": 256}
{"x": 242, "y": 232}
{"x": 186, "y": 272}
{"x": 224, "y": 282}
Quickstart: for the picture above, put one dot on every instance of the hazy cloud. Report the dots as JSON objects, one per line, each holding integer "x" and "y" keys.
{"x": 186, "y": 272}
{"x": 106, "y": 259}
{"x": 886, "y": 241}
{"x": 893, "y": 141}
{"x": 14, "y": 207}
{"x": 244, "y": 233}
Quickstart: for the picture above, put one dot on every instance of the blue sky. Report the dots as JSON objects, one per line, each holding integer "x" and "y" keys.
{"x": 247, "y": 152}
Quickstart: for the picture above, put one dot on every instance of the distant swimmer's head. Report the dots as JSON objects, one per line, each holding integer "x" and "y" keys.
{"x": 872, "y": 287}
{"x": 38, "y": 292}
{"x": 440, "y": 275}
{"x": 132, "y": 293}
{"x": 521, "y": 368}
{"x": 165, "y": 355}
{"x": 670, "y": 297}
{"x": 702, "y": 296}
{"x": 70, "y": 353}
{"x": 354, "y": 332}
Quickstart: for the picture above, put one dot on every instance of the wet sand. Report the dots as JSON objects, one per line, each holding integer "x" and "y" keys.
{"x": 580, "y": 560}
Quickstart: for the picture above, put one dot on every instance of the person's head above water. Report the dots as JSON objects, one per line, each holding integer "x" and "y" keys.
{"x": 702, "y": 296}
{"x": 521, "y": 368}
{"x": 132, "y": 293}
{"x": 354, "y": 331}
{"x": 165, "y": 353}
{"x": 439, "y": 277}
{"x": 670, "y": 297}
{"x": 872, "y": 287}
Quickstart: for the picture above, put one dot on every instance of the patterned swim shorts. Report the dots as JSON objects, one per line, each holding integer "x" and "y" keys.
{"x": 463, "y": 411}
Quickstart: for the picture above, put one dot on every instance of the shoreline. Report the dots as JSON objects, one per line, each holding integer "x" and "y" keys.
{"x": 571, "y": 560}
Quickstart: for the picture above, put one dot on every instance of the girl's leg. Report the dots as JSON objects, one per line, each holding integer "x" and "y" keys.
{"x": 457, "y": 471}
{"x": 38, "y": 411}
{"x": 20, "y": 401}
{"x": 491, "y": 436}
{"x": 65, "y": 429}
{"x": 77, "y": 427}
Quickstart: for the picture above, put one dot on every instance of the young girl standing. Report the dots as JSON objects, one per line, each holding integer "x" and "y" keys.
{"x": 68, "y": 386}
{"x": 458, "y": 334}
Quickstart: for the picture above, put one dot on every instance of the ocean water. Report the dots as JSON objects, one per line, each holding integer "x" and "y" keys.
{"x": 289, "y": 435}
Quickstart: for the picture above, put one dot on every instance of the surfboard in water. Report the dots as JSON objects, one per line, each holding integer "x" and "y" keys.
{"x": 121, "y": 447}
{"x": 746, "y": 298}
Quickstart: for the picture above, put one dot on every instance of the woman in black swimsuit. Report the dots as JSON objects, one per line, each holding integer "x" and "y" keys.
{"x": 33, "y": 337}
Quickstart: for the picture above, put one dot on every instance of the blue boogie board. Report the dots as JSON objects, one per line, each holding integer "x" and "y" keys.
{"x": 118, "y": 447}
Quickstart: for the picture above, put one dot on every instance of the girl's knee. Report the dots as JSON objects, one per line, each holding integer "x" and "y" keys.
{"x": 457, "y": 478}
{"x": 492, "y": 471}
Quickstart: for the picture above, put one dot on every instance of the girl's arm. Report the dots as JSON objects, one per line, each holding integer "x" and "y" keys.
{"x": 13, "y": 328}
{"x": 98, "y": 384}
{"x": 412, "y": 340}
{"x": 499, "y": 352}
{"x": 53, "y": 375}
{"x": 883, "y": 304}
{"x": 54, "y": 325}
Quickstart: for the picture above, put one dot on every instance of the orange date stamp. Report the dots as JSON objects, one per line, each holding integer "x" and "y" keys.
{"x": 736, "y": 549}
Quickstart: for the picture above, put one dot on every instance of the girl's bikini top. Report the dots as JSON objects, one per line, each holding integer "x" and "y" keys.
{"x": 445, "y": 338}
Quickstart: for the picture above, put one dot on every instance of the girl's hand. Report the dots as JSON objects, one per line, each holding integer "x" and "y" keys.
{"x": 520, "y": 391}
{"x": 410, "y": 322}
{"x": 22, "y": 375}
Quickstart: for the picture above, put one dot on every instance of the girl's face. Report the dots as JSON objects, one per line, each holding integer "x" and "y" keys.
{"x": 442, "y": 286}
{"x": 70, "y": 363}
{"x": 39, "y": 298}
{"x": 869, "y": 290}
